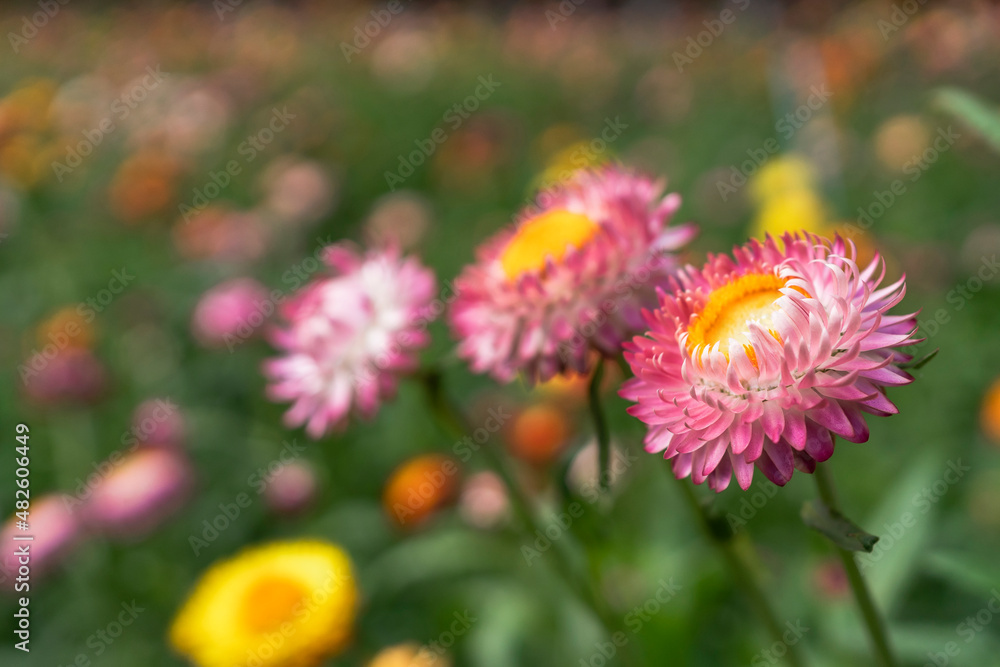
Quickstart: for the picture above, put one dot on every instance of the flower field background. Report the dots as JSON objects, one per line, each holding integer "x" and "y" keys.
{"x": 170, "y": 176}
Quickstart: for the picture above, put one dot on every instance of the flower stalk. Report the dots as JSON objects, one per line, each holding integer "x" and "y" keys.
{"x": 877, "y": 632}
{"x": 743, "y": 572}
{"x": 453, "y": 420}
{"x": 600, "y": 427}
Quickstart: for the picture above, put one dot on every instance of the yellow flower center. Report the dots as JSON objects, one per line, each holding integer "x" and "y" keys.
{"x": 547, "y": 235}
{"x": 730, "y": 308}
{"x": 271, "y": 601}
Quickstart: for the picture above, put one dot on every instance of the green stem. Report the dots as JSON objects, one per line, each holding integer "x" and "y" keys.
{"x": 742, "y": 571}
{"x": 454, "y": 421}
{"x": 600, "y": 427}
{"x": 873, "y": 620}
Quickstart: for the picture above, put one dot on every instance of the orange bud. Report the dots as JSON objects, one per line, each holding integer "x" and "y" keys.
{"x": 420, "y": 487}
{"x": 539, "y": 434}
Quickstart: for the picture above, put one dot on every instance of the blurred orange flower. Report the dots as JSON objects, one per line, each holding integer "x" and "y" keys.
{"x": 144, "y": 185}
{"x": 989, "y": 415}
{"x": 419, "y": 488}
{"x": 539, "y": 434}
{"x": 66, "y": 328}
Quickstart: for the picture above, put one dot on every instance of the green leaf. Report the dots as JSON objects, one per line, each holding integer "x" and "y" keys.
{"x": 922, "y": 361}
{"x": 980, "y": 116}
{"x": 841, "y": 530}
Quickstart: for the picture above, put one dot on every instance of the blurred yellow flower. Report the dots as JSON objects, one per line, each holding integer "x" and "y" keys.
{"x": 780, "y": 175}
{"x": 792, "y": 211}
{"x": 566, "y": 151}
{"x": 28, "y": 106}
{"x": 285, "y": 604}
{"x": 409, "y": 655}
{"x": 66, "y": 328}
{"x": 787, "y": 198}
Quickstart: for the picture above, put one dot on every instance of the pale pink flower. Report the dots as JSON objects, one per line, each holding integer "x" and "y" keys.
{"x": 139, "y": 493}
{"x": 54, "y": 530}
{"x": 350, "y": 336}
{"x": 158, "y": 422}
{"x": 230, "y": 312}
{"x": 291, "y": 489}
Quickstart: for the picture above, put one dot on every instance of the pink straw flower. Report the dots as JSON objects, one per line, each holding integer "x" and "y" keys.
{"x": 291, "y": 489}
{"x": 572, "y": 277}
{"x": 762, "y": 358}
{"x": 349, "y": 337}
{"x": 146, "y": 488}
{"x": 54, "y": 530}
{"x": 230, "y": 312}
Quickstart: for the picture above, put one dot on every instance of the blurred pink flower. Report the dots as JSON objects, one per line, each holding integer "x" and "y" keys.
{"x": 145, "y": 489}
{"x": 572, "y": 277}
{"x": 401, "y": 217}
{"x": 230, "y": 312}
{"x": 158, "y": 422}
{"x": 54, "y": 529}
{"x": 72, "y": 376}
{"x": 214, "y": 232}
{"x": 350, "y": 336}
{"x": 291, "y": 489}
{"x": 584, "y": 473}
{"x": 484, "y": 502}
{"x": 297, "y": 191}
{"x": 762, "y": 358}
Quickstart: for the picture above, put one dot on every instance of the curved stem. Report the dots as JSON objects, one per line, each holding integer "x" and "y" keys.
{"x": 600, "y": 428}
{"x": 873, "y": 620}
{"x": 742, "y": 570}
{"x": 453, "y": 420}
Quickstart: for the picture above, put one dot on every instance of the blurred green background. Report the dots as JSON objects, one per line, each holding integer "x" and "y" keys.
{"x": 650, "y": 85}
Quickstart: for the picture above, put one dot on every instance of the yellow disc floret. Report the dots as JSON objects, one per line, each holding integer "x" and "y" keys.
{"x": 288, "y": 604}
{"x": 730, "y": 308}
{"x": 550, "y": 234}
